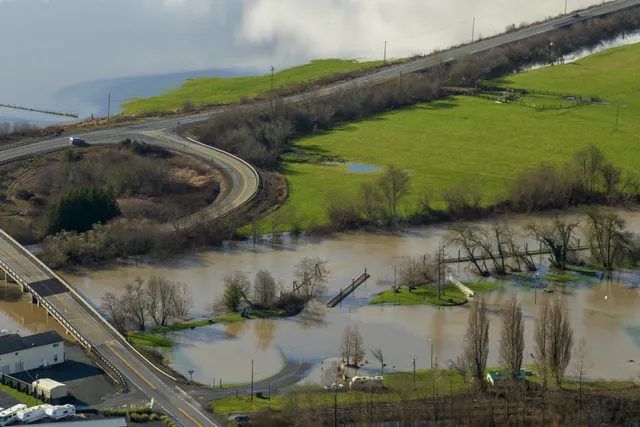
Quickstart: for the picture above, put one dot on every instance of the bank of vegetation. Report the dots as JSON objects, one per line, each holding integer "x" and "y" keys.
{"x": 459, "y": 392}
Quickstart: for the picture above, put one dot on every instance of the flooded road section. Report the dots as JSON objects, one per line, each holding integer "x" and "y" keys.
{"x": 224, "y": 352}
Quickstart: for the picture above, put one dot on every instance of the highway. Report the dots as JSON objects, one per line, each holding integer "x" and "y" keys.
{"x": 244, "y": 183}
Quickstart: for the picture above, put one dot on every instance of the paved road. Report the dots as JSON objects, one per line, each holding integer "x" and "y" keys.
{"x": 244, "y": 183}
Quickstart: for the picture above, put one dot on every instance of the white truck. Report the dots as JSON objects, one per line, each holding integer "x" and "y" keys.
{"x": 59, "y": 412}
{"x": 33, "y": 414}
{"x": 10, "y": 415}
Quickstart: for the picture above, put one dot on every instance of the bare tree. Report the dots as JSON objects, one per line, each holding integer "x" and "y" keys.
{"x": 264, "y": 289}
{"x": 311, "y": 273}
{"x": 461, "y": 235}
{"x": 440, "y": 268}
{"x": 357, "y": 346}
{"x": 182, "y": 301}
{"x": 560, "y": 342}
{"x": 415, "y": 271}
{"x": 160, "y": 293}
{"x": 115, "y": 310}
{"x": 394, "y": 185}
{"x": 331, "y": 374}
{"x": 589, "y": 162}
{"x": 370, "y": 200}
{"x": 512, "y": 337}
{"x": 136, "y": 301}
{"x": 556, "y": 237}
{"x": 377, "y": 353}
{"x": 461, "y": 366}
{"x": 476, "y": 343}
{"x": 581, "y": 368}
{"x": 519, "y": 255}
{"x": 608, "y": 237}
{"x": 542, "y": 339}
{"x": 346, "y": 346}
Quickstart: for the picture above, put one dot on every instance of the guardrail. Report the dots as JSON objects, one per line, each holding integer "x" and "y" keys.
{"x": 56, "y": 314}
{"x": 28, "y": 142}
{"x": 115, "y": 332}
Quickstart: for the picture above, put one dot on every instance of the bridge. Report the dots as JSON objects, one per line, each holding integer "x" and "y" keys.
{"x": 80, "y": 318}
{"x": 352, "y": 287}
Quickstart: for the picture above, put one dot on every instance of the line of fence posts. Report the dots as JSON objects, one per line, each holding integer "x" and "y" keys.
{"x": 22, "y": 386}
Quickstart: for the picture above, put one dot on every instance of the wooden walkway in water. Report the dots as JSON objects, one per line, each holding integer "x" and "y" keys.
{"x": 345, "y": 292}
{"x": 527, "y": 252}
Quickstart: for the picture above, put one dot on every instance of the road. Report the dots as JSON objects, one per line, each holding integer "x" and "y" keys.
{"x": 244, "y": 184}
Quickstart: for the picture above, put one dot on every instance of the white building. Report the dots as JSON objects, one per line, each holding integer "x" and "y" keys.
{"x": 18, "y": 354}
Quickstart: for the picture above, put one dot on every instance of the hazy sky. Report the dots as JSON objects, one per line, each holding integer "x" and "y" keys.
{"x": 49, "y": 44}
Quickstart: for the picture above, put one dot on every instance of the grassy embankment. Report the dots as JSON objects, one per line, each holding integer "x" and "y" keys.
{"x": 156, "y": 337}
{"x": 445, "y": 382}
{"x": 471, "y": 140}
{"x": 429, "y": 295}
{"x": 19, "y": 396}
{"x": 217, "y": 90}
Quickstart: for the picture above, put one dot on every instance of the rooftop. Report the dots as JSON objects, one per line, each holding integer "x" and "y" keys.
{"x": 12, "y": 343}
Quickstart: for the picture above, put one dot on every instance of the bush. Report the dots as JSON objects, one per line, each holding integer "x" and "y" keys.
{"x": 78, "y": 210}
{"x": 23, "y": 194}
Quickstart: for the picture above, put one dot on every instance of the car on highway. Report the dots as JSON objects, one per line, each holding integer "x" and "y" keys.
{"x": 575, "y": 15}
{"x": 78, "y": 142}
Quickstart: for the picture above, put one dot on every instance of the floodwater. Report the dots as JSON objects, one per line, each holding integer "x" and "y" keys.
{"x": 224, "y": 352}
{"x": 19, "y": 315}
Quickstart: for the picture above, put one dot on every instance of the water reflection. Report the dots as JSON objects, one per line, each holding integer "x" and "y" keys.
{"x": 600, "y": 311}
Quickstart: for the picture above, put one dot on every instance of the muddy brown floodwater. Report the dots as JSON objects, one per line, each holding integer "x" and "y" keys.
{"x": 224, "y": 352}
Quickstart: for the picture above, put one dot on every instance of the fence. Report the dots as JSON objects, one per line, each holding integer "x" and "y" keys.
{"x": 22, "y": 387}
{"x": 36, "y": 110}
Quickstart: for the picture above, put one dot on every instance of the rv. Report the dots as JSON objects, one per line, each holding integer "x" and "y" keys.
{"x": 60, "y": 412}
{"x": 33, "y": 414}
{"x": 366, "y": 383}
{"x": 10, "y": 415}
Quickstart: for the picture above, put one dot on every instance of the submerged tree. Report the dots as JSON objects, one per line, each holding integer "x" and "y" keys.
{"x": 556, "y": 237}
{"x": 608, "y": 238}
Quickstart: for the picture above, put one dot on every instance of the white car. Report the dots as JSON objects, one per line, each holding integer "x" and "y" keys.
{"x": 77, "y": 141}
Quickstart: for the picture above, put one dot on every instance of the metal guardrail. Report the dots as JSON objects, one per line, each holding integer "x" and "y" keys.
{"x": 28, "y": 142}
{"x": 60, "y": 318}
{"x": 116, "y": 334}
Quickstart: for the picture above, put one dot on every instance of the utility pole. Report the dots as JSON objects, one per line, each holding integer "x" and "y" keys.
{"x": 414, "y": 372}
{"x": 473, "y": 30}
{"x": 335, "y": 408}
{"x": 272, "y": 70}
{"x": 565, "y": 6}
{"x": 431, "y": 352}
{"x": 269, "y": 397}
{"x": 385, "y": 52}
{"x": 252, "y": 379}
{"x": 109, "y": 108}
{"x": 395, "y": 276}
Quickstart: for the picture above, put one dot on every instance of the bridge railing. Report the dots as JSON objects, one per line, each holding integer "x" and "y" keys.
{"x": 80, "y": 298}
{"x": 59, "y": 317}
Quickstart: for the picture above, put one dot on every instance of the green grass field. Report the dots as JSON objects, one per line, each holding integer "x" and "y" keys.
{"x": 20, "y": 397}
{"x": 471, "y": 140}
{"x": 217, "y": 90}
{"x": 445, "y": 381}
{"x": 429, "y": 295}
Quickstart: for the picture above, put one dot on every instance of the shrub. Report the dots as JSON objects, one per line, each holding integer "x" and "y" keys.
{"x": 23, "y": 194}
{"x": 78, "y": 210}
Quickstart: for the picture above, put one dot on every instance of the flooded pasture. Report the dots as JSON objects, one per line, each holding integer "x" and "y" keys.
{"x": 601, "y": 311}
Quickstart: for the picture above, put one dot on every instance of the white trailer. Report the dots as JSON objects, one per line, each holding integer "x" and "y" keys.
{"x": 60, "y": 412}
{"x": 10, "y": 415}
{"x": 33, "y": 414}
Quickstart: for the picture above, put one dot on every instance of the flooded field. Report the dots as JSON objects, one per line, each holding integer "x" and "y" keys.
{"x": 224, "y": 352}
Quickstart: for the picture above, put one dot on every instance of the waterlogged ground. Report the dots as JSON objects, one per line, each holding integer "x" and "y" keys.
{"x": 224, "y": 352}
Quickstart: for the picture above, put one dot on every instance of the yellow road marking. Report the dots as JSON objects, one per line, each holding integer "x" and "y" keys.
{"x": 190, "y": 417}
{"x": 106, "y": 343}
{"x": 130, "y": 367}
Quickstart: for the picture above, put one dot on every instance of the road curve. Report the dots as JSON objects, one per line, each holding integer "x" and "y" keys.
{"x": 244, "y": 185}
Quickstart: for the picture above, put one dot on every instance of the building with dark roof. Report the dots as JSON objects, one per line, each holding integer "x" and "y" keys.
{"x": 19, "y": 354}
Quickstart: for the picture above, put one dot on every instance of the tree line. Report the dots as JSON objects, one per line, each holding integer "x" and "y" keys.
{"x": 155, "y": 301}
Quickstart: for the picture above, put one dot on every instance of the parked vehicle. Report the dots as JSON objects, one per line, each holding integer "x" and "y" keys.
{"x": 33, "y": 414}
{"x": 60, "y": 412}
{"x": 10, "y": 415}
